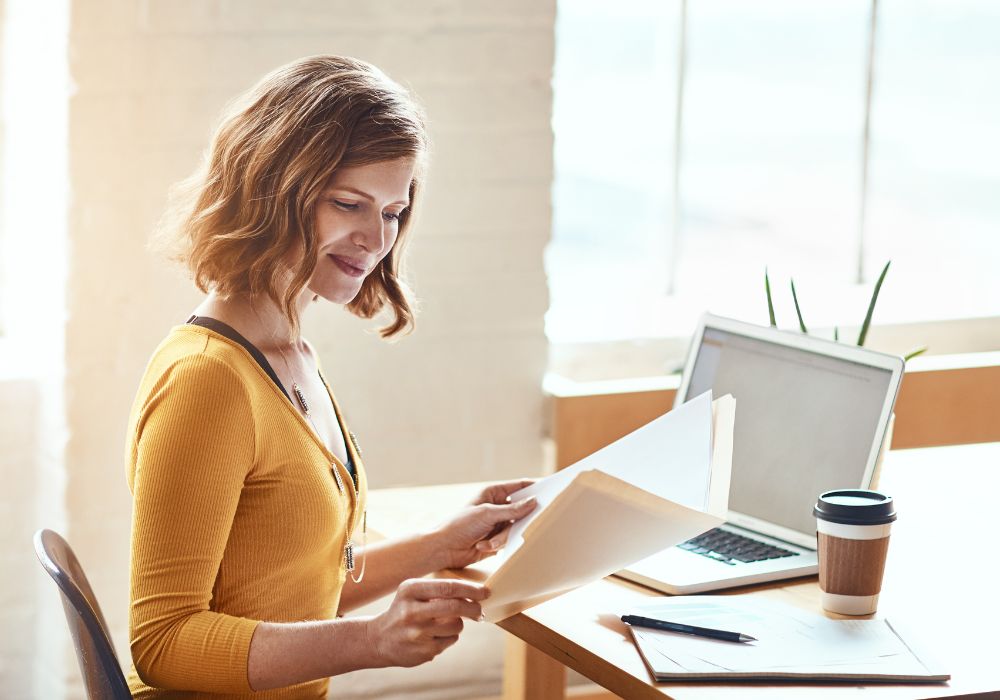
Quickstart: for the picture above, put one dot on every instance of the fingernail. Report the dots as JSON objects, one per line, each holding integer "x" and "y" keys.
{"x": 482, "y": 617}
{"x": 494, "y": 544}
{"x": 482, "y": 545}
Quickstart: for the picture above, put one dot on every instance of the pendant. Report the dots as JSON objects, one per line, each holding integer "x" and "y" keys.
{"x": 302, "y": 399}
{"x": 349, "y": 556}
{"x": 336, "y": 477}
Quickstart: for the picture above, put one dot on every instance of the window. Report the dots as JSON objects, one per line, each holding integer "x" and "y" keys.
{"x": 614, "y": 121}
{"x": 934, "y": 192}
{"x": 699, "y": 142}
{"x": 34, "y": 190}
{"x": 3, "y": 152}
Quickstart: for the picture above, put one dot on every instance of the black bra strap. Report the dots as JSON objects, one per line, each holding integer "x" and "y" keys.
{"x": 224, "y": 329}
{"x": 228, "y": 331}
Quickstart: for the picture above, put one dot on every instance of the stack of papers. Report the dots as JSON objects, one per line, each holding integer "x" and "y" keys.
{"x": 660, "y": 485}
{"x": 791, "y": 643}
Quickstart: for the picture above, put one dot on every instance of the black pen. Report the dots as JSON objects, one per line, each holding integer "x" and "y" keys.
{"x": 653, "y": 624}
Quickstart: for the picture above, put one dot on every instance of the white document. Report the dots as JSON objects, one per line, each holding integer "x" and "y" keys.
{"x": 790, "y": 643}
{"x": 645, "y": 492}
{"x": 670, "y": 457}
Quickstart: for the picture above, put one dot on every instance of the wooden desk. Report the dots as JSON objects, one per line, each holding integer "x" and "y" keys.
{"x": 942, "y": 571}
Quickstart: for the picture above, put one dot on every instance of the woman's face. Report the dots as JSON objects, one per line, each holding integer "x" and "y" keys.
{"x": 357, "y": 221}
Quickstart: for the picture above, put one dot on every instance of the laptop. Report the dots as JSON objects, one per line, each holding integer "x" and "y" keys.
{"x": 811, "y": 415}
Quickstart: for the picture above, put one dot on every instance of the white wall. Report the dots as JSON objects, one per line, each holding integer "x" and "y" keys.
{"x": 19, "y": 406}
{"x": 459, "y": 400}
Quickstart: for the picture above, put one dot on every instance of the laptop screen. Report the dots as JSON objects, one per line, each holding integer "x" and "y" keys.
{"x": 805, "y": 422}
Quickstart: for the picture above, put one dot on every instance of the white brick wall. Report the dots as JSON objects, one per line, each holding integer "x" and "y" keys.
{"x": 19, "y": 405}
{"x": 460, "y": 399}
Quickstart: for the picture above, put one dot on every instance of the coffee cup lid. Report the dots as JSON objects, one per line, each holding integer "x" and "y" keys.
{"x": 855, "y": 507}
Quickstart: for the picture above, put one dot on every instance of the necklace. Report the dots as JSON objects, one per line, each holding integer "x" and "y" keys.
{"x": 300, "y": 397}
{"x": 349, "y": 547}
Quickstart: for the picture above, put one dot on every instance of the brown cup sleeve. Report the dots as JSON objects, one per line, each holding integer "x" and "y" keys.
{"x": 851, "y": 567}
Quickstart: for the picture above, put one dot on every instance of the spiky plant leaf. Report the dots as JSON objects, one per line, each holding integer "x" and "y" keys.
{"x": 871, "y": 305}
{"x": 836, "y": 334}
{"x": 913, "y": 353}
{"x": 770, "y": 304}
{"x": 798, "y": 312}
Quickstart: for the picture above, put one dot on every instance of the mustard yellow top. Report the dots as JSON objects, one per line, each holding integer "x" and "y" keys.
{"x": 237, "y": 518}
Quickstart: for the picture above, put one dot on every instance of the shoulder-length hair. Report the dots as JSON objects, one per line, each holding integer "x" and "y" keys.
{"x": 244, "y": 217}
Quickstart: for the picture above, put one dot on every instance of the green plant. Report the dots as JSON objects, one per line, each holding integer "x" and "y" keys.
{"x": 862, "y": 336}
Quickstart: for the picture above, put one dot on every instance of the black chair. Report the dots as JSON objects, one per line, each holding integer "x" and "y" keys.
{"x": 102, "y": 674}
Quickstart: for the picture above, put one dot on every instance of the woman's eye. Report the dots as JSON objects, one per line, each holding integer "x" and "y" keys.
{"x": 389, "y": 216}
{"x": 346, "y": 206}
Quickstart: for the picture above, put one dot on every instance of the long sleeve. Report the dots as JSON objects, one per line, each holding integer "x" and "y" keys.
{"x": 193, "y": 447}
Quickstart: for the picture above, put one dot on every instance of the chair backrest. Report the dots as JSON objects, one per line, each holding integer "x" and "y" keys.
{"x": 102, "y": 674}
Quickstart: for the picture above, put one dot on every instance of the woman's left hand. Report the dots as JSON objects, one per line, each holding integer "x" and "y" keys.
{"x": 481, "y": 528}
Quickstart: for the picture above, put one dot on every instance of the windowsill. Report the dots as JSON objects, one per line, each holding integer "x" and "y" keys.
{"x": 562, "y": 387}
{"x": 559, "y": 386}
{"x": 968, "y": 360}
{"x": 651, "y": 359}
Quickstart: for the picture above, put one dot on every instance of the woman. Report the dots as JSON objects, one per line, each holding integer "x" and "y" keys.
{"x": 248, "y": 531}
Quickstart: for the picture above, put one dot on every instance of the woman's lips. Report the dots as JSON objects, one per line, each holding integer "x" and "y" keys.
{"x": 350, "y": 267}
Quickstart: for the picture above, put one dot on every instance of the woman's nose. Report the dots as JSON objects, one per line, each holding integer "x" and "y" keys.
{"x": 371, "y": 235}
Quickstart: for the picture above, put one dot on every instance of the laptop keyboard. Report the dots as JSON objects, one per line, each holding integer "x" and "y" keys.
{"x": 730, "y": 548}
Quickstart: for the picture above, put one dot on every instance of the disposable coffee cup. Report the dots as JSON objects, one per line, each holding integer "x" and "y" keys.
{"x": 852, "y": 529}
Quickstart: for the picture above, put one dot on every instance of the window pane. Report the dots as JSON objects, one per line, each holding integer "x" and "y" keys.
{"x": 772, "y": 148}
{"x": 934, "y": 198}
{"x": 770, "y": 166}
{"x": 771, "y": 163}
{"x": 613, "y": 116}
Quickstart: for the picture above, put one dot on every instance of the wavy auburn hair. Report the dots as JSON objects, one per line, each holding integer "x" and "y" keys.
{"x": 249, "y": 210}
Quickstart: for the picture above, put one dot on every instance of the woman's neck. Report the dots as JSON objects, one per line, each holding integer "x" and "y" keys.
{"x": 259, "y": 320}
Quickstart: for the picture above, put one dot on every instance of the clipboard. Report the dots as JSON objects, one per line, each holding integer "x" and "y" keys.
{"x": 792, "y": 644}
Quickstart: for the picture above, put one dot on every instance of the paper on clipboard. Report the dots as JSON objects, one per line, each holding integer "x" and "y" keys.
{"x": 661, "y": 484}
{"x": 791, "y": 643}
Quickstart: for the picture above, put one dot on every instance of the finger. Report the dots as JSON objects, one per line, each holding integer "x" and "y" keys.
{"x": 445, "y": 642}
{"x": 495, "y": 542}
{"x": 502, "y": 517}
{"x": 510, "y": 487}
{"x": 511, "y": 511}
{"x": 449, "y": 608}
{"x": 487, "y": 495}
{"x": 497, "y": 529}
{"x": 431, "y": 588}
{"x": 445, "y": 627}
{"x": 483, "y": 552}
{"x": 500, "y": 493}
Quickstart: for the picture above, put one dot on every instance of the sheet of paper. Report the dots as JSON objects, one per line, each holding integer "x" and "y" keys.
{"x": 723, "y": 421}
{"x": 618, "y": 506}
{"x": 790, "y": 640}
{"x": 596, "y": 526}
{"x": 670, "y": 456}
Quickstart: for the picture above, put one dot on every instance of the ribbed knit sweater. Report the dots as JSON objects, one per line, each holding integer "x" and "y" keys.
{"x": 237, "y": 518}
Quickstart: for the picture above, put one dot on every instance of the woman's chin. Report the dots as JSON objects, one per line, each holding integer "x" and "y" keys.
{"x": 339, "y": 295}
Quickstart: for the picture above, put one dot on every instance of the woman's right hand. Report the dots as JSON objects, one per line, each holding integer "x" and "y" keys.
{"x": 424, "y": 619}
